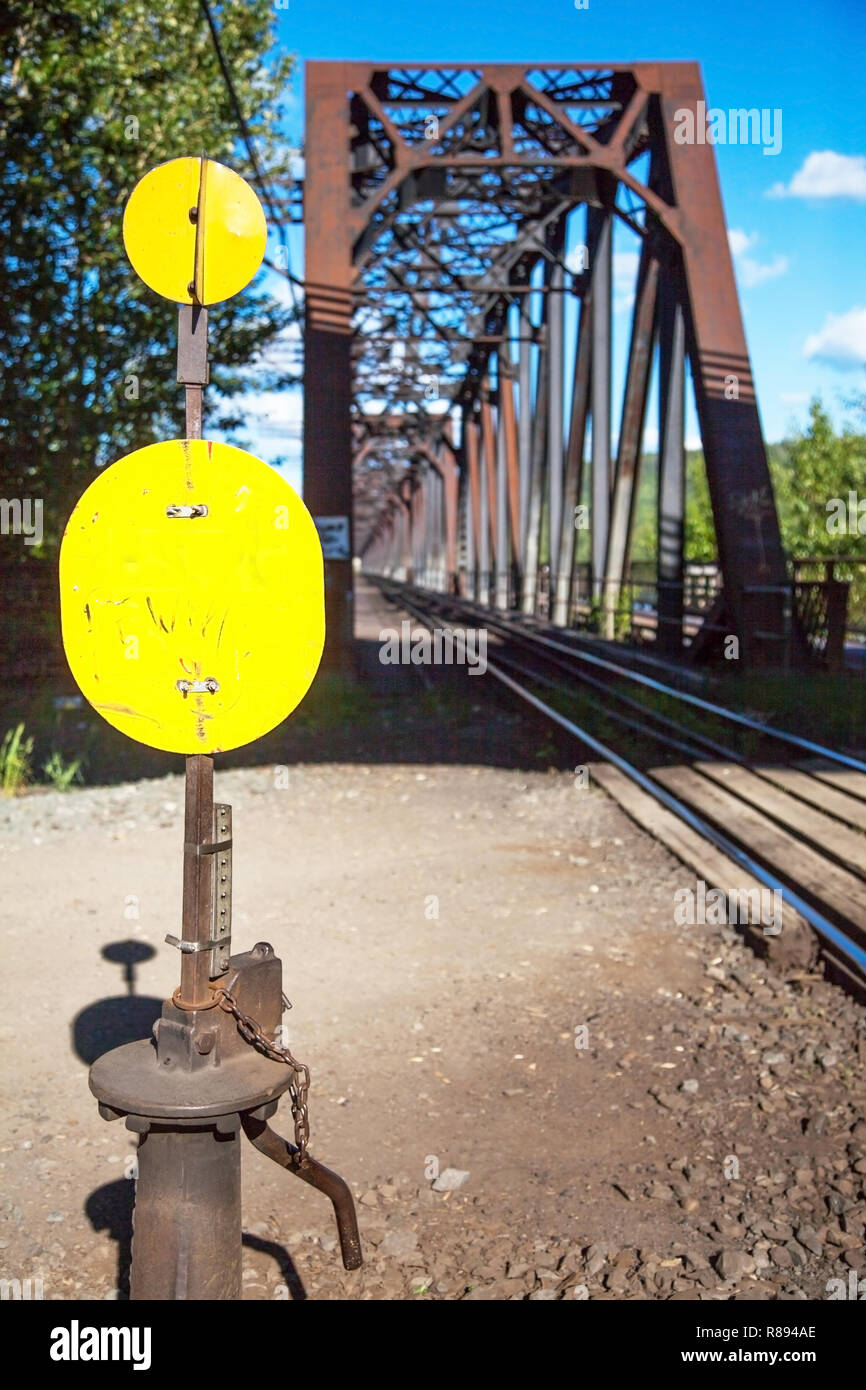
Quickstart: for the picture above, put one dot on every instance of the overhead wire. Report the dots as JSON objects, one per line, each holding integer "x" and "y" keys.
{"x": 259, "y": 177}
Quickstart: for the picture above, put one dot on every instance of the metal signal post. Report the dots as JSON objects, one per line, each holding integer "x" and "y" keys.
{"x": 213, "y": 1069}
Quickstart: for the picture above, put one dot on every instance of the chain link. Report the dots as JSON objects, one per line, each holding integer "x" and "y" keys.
{"x": 299, "y": 1086}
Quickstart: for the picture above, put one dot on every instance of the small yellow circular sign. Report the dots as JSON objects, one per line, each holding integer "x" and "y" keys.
{"x": 194, "y": 231}
{"x": 192, "y": 596}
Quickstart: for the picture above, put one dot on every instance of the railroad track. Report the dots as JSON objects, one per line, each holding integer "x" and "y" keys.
{"x": 794, "y": 827}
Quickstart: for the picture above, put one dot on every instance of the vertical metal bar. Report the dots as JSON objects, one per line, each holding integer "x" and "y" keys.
{"x": 555, "y": 342}
{"x": 448, "y": 467}
{"x": 509, "y": 430}
{"x": 438, "y": 528}
{"x": 537, "y": 482}
{"x": 573, "y": 465}
{"x": 524, "y": 427}
{"x": 501, "y": 506}
{"x": 672, "y": 459}
{"x": 419, "y": 521}
{"x": 197, "y": 908}
{"x": 599, "y": 223}
{"x": 194, "y": 410}
{"x": 470, "y": 522}
{"x": 628, "y": 459}
{"x": 406, "y": 529}
{"x": 470, "y": 433}
{"x": 197, "y": 880}
{"x": 429, "y": 504}
{"x": 483, "y": 528}
{"x": 488, "y": 437}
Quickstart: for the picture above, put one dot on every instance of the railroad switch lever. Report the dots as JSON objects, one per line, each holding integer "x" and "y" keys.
{"x": 209, "y": 1075}
{"x": 309, "y": 1170}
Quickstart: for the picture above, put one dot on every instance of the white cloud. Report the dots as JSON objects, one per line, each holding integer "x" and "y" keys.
{"x": 280, "y": 410}
{"x": 841, "y": 341}
{"x": 826, "y": 174}
{"x": 739, "y": 241}
{"x": 749, "y": 271}
{"x": 752, "y": 273}
{"x": 794, "y": 397}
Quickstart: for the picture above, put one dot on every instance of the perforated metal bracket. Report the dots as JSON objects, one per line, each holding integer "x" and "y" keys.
{"x": 222, "y": 888}
{"x": 220, "y": 942}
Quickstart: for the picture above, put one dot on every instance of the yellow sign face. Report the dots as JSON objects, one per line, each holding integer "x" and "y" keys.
{"x": 194, "y": 231}
{"x": 192, "y": 596}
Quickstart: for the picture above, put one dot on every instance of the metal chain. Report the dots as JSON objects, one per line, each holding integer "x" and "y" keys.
{"x": 299, "y": 1086}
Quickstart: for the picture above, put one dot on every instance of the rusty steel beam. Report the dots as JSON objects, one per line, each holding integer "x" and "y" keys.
{"x": 573, "y": 466}
{"x": 746, "y": 522}
{"x": 404, "y": 493}
{"x": 629, "y": 449}
{"x": 524, "y": 434}
{"x": 672, "y": 466}
{"x": 536, "y": 485}
{"x": 556, "y": 382}
{"x": 329, "y": 276}
{"x": 470, "y": 436}
{"x": 488, "y": 453}
{"x": 509, "y": 429}
{"x": 600, "y": 241}
{"x": 447, "y": 465}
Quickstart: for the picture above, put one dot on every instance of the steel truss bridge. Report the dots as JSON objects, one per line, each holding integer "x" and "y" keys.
{"x": 459, "y": 349}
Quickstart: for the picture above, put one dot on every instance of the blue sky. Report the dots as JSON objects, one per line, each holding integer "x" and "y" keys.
{"x": 797, "y": 218}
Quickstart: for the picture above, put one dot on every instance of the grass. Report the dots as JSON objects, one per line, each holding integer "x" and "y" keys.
{"x": 16, "y": 767}
{"x": 459, "y": 719}
{"x": 62, "y": 774}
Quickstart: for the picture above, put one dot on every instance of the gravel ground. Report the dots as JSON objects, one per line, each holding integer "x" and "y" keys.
{"x": 444, "y": 932}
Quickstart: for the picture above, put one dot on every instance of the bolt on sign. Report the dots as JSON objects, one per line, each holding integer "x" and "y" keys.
{"x": 191, "y": 577}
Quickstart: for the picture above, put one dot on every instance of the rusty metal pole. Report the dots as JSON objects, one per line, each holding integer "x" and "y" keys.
{"x": 197, "y": 918}
{"x": 671, "y": 469}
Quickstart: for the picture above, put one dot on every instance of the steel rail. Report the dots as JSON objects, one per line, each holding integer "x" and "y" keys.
{"x": 827, "y": 930}
{"x": 818, "y": 749}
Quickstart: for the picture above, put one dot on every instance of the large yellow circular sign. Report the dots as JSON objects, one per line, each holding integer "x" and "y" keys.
{"x": 192, "y": 596}
{"x": 194, "y": 231}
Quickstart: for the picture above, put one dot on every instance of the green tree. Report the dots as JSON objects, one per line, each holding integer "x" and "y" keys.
{"x": 700, "y": 530}
{"x": 93, "y": 93}
{"x": 817, "y": 466}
